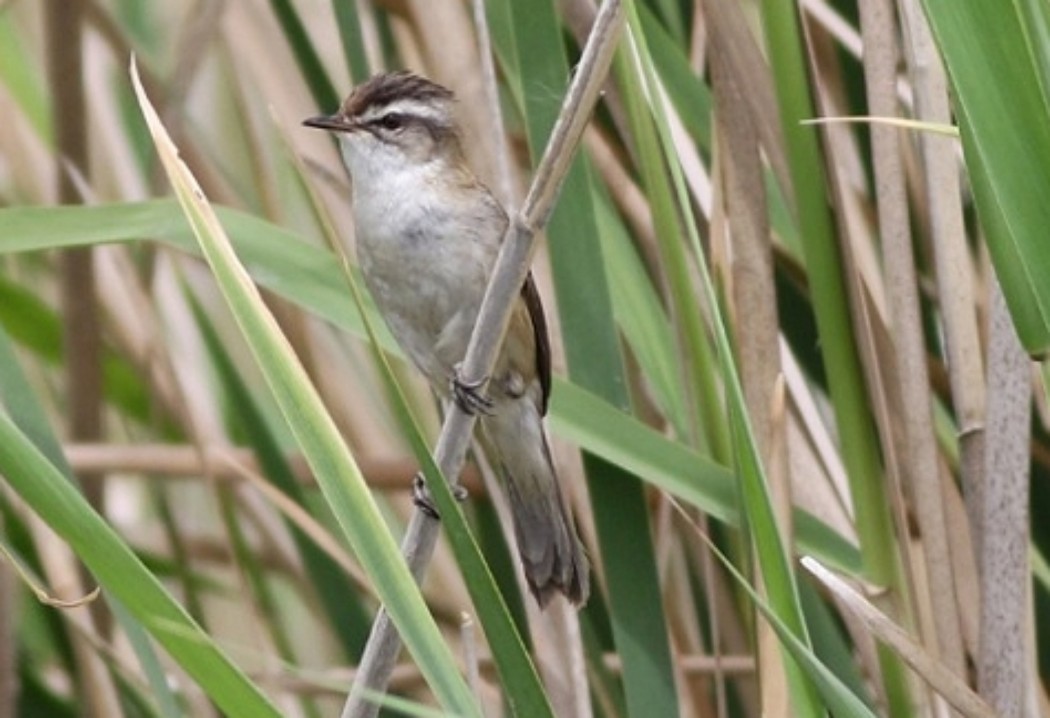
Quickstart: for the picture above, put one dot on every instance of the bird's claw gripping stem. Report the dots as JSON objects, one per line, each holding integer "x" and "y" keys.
{"x": 468, "y": 395}
{"x": 421, "y": 496}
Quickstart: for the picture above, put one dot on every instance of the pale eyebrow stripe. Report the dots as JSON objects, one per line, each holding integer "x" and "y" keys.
{"x": 410, "y": 107}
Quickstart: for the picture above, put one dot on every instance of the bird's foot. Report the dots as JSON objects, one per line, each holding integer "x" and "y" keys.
{"x": 421, "y": 496}
{"x": 468, "y": 395}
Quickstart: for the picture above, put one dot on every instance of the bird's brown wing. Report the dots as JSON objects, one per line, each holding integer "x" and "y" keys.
{"x": 539, "y": 331}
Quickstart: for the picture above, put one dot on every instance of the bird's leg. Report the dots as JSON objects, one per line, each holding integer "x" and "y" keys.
{"x": 468, "y": 395}
{"x": 421, "y": 496}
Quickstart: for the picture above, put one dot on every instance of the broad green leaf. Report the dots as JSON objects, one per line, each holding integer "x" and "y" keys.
{"x": 996, "y": 53}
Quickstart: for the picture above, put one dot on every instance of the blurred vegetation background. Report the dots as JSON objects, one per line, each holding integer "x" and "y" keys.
{"x": 772, "y": 339}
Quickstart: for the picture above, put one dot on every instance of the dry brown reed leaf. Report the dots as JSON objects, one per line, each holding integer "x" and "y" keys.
{"x": 746, "y": 60}
{"x": 912, "y": 400}
{"x": 939, "y": 676}
{"x": 957, "y": 287}
{"x": 182, "y": 461}
{"x": 753, "y": 295}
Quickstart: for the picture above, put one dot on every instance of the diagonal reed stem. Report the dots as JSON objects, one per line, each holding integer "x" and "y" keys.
{"x": 509, "y": 274}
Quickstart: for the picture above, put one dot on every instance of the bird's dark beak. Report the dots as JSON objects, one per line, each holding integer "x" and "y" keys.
{"x": 333, "y": 123}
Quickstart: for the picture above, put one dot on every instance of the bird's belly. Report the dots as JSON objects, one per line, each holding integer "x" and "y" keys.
{"x": 429, "y": 295}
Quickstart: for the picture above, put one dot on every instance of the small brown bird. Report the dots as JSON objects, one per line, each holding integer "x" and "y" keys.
{"x": 428, "y": 233}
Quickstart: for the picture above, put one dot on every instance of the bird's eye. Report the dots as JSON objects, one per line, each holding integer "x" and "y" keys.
{"x": 392, "y": 121}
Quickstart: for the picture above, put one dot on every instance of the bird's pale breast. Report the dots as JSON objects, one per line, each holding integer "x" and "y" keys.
{"x": 427, "y": 268}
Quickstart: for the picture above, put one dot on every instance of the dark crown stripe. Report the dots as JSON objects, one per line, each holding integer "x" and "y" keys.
{"x": 383, "y": 89}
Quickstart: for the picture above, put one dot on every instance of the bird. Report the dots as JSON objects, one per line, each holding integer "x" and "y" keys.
{"x": 427, "y": 236}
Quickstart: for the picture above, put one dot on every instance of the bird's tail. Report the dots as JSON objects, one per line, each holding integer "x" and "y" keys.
{"x": 551, "y": 552}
